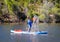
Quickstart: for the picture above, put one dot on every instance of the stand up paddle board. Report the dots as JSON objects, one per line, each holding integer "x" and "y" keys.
{"x": 26, "y": 32}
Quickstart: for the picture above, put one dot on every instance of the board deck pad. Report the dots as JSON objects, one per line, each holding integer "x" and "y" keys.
{"x": 26, "y": 32}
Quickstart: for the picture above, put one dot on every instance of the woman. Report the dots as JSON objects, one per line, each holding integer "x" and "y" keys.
{"x": 29, "y": 22}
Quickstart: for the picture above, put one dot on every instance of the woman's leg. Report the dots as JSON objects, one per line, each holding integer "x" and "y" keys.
{"x": 29, "y": 28}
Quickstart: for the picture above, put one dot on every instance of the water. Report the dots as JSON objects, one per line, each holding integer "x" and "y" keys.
{"x": 53, "y": 33}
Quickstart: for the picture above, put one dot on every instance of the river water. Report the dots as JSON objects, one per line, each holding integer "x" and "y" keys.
{"x": 52, "y": 36}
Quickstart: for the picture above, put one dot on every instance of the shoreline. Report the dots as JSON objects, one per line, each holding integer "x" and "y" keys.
{"x": 22, "y": 23}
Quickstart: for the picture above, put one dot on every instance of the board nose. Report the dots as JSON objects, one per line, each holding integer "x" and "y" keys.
{"x": 18, "y": 30}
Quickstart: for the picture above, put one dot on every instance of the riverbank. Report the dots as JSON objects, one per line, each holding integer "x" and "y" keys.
{"x": 24, "y": 23}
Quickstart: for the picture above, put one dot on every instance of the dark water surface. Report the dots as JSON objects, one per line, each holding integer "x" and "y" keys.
{"x": 53, "y": 33}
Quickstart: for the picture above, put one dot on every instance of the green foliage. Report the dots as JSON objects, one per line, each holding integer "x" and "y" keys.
{"x": 42, "y": 17}
{"x": 9, "y": 4}
{"x": 32, "y": 6}
{"x": 57, "y": 5}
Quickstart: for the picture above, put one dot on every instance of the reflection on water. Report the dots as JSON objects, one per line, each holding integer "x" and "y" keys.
{"x": 53, "y": 33}
{"x": 24, "y": 38}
